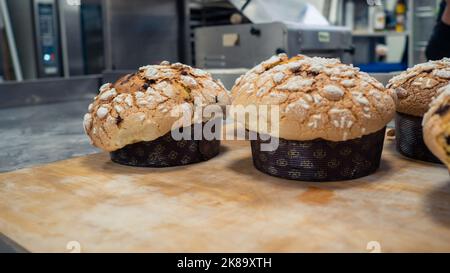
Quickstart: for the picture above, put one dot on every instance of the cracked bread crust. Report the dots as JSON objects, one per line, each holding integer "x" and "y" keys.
{"x": 417, "y": 86}
{"x": 436, "y": 126}
{"x": 319, "y": 98}
{"x": 139, "y": 107}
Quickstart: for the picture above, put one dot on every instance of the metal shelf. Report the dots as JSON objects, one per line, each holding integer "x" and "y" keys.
{"x": 365, "y": 33}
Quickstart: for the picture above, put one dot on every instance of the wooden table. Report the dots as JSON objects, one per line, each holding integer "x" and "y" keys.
{"x": 91, "y": 204}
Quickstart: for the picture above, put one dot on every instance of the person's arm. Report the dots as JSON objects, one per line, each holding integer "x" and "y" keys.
{"x": 446, "y": 14}
{"x": 439, "y": 44}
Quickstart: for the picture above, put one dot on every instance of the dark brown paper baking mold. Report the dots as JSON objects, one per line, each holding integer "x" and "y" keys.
{"x": 166, "y": 152}
{"x": 409, "y": 138}
{"x": 321, "y": 160}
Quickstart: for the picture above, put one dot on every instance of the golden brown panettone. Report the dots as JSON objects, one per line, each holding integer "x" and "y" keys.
{"x": 416, "y": 87}
{"x": 138, "y": 107}
{"x": 436, "y": 126}
{"x": 319, "y": 98}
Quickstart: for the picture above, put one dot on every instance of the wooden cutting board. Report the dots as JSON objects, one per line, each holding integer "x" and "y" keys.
{"x": 91, "y": 204}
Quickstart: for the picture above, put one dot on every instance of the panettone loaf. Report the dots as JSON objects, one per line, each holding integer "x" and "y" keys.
{"x": 319, "y": 98}
{"x": 138, "y": 107}
{"x": 417, "y": 86}
{"x": 436, "y": 126}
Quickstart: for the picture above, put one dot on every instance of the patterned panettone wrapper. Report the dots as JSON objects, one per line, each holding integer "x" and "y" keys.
{"x": 321, "y": 160}
{"x": 409, "y": 138}
{"x": 166, "y": 152}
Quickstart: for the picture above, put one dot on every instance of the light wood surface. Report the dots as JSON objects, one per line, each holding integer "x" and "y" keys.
{"x": 223, "y": 205}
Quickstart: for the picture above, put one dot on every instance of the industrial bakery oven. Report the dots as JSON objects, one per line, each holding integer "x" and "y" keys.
{"x": 55, "y": 37}
{"x": 233, "y": 46}
{"x": 36, "y": 29}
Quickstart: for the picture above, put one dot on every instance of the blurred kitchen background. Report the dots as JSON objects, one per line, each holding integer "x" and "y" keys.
{"x": 66, "y": 38}
{"x": 54, "y": 54}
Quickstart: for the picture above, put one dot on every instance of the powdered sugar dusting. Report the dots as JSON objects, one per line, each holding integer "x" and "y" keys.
{"x": 199, "y": 72}
{"x": 105, "y": 87}
{"x": 87, "y": 121}
{"x": 296, "y": 83}
{"x": 314, "y": 121}
{"x": 189, "y": 81}
{"x": 348, "y": 83}
{"x": 102, "y": 112}
{"x": 151, "y": 73}
{"x": 443, "y": 73}
{"x": 333, "y": 92}
{"x": 106, "y": 95}
{"x": 278, "y": 77}
{"x": 360, "y": 98}
{"x": 317, "y": 98}
{"x": 129, "y": 100}
{"x": 118, "y": 108}
{"x": 139, "y": 94}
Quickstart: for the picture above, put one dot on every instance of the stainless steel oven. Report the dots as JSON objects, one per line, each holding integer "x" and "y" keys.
{"x": 57, "y": 38}
{"x": 36, "y": 32}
